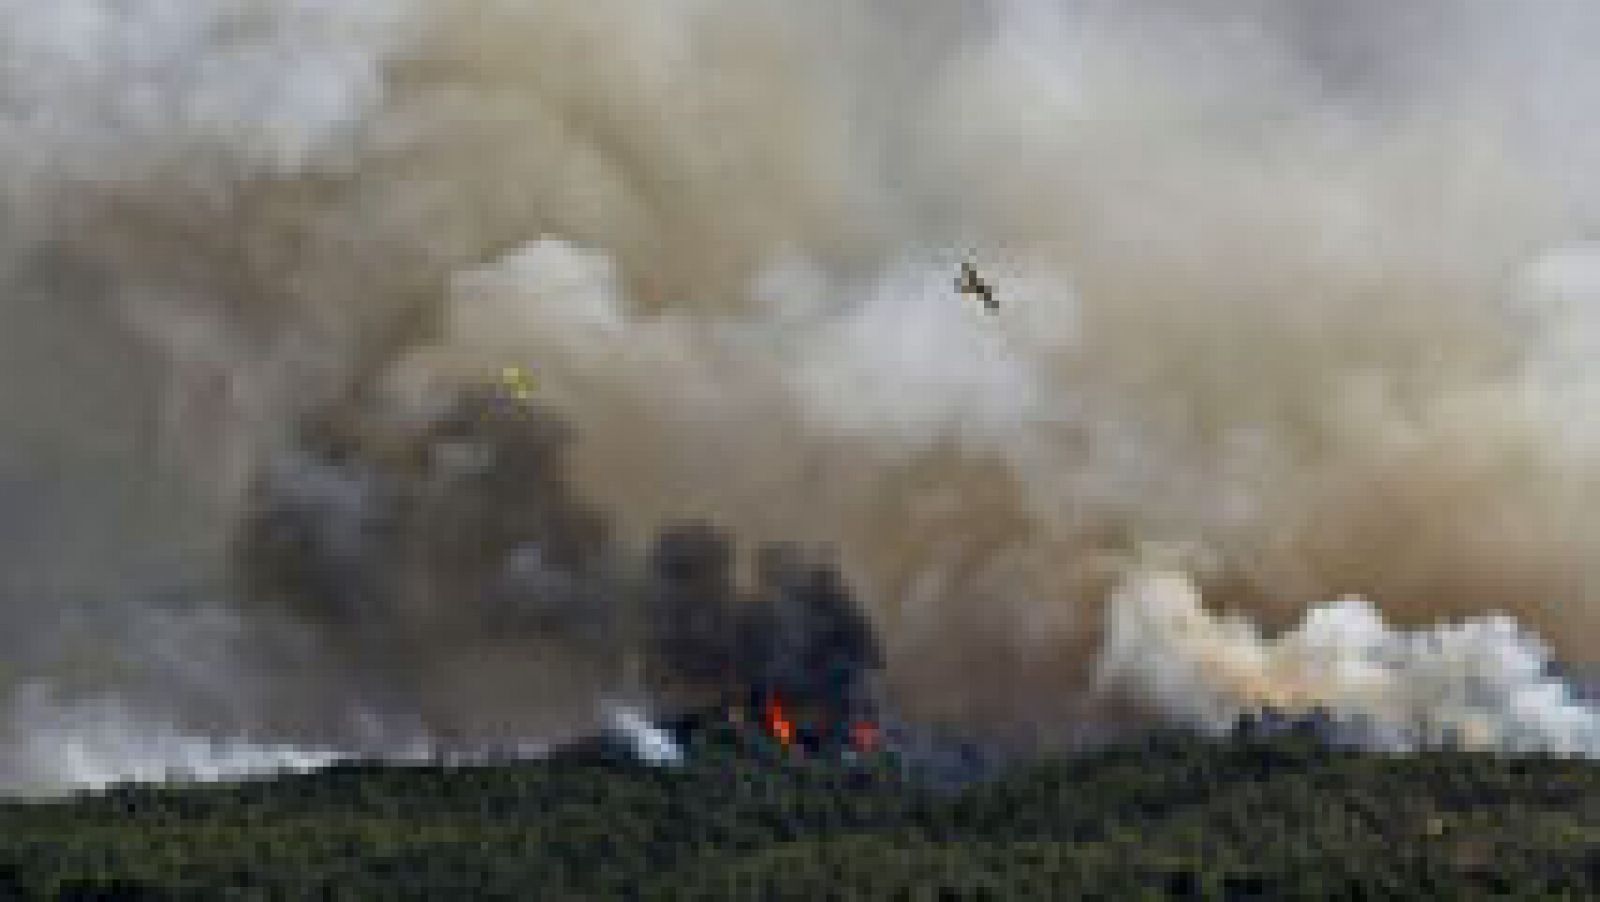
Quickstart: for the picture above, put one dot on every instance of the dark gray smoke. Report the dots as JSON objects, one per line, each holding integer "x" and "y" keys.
{"x": 416, "y": 554}
{"x": 798, "y": 632}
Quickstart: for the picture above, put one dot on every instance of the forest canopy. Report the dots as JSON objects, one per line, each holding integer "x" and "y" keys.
{"x": 1167, "y": 816}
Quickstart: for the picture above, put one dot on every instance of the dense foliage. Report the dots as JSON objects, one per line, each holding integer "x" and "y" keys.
{"x": 1167, "y": 817}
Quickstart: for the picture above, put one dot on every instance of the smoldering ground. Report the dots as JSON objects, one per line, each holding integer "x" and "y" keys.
{"x": 1297, "y": 289}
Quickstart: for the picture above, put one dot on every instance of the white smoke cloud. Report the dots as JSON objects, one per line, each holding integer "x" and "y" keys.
{"x": 53, "y": 746}
{"x": 902, "y": 360}
{"x": 1482, "y": 683}
{"x": 100, "y": 90}
{"x": 907, "y": 360}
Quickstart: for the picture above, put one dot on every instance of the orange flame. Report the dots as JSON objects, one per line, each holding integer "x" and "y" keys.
{"x": 778, "y": 723}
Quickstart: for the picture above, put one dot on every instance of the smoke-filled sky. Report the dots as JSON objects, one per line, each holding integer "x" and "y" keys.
{"x": 1295, "y": 305}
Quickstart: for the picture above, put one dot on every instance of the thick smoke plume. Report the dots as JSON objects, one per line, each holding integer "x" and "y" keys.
{"x": 1304, "y": 288}
{"x": 454, "y": 560}
{"x": 1481, "y": 683}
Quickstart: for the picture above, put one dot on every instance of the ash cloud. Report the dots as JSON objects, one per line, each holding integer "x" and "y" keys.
{"x": 1295, "y": 284}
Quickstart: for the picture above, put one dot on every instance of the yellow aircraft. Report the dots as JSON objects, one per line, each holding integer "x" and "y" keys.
{"x": 969, "y": 282}
{"x": 517, "y": 381}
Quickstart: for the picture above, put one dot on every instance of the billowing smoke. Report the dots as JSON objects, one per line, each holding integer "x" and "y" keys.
{"x": 1307, "y": 289}
{"x": 1481, "y": 683}
{"x": 799, "y": 632}
{"x": 453, "y": 561}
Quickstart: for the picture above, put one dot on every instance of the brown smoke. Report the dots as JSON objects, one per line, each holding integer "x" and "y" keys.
{"x": 1275, "y": 281}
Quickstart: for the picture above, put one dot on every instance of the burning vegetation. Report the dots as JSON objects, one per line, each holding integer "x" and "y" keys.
{"x": 794, "y": 655}
{"x": 468, "y": 528}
